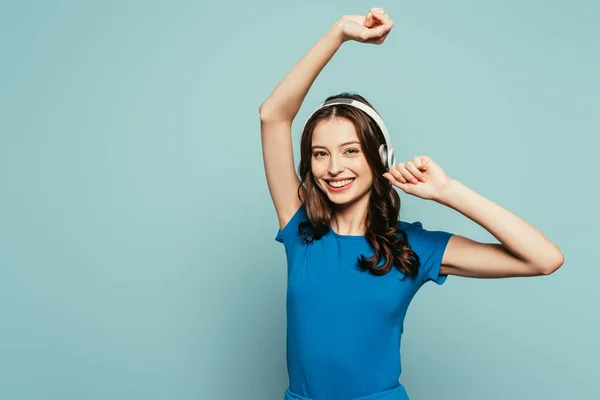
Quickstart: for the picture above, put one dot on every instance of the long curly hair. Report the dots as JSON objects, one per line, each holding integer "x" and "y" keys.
{"x": 383, "y": 233}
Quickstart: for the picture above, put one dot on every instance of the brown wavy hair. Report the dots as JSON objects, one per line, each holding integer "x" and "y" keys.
{"x": 383, "y": 232}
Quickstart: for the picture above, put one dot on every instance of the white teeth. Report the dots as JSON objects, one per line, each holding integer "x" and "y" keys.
{"x": 341, "y": 183}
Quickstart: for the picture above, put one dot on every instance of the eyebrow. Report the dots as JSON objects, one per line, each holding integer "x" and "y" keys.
{"x": 341, "y": 145}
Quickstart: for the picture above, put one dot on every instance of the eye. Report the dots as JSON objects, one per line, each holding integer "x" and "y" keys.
{"x": 352, "y": 151}
{"x": 319, "y": 153}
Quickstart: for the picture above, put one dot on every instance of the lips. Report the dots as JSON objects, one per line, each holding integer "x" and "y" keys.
{"x": 339, "y": 184}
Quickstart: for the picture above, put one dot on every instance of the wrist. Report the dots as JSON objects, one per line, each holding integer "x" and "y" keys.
{"x": 337, "y": 31}
{"x": 448, "y": 192}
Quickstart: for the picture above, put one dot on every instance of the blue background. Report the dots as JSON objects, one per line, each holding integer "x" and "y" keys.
{"x": 137, "y": 252}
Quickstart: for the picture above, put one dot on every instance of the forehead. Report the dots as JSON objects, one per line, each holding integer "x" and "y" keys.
{"x": 332, "y": 132}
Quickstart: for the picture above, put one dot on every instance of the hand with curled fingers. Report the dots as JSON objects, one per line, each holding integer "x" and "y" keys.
{"x": 420, "y": 176}
{"x": 371, "y": 28}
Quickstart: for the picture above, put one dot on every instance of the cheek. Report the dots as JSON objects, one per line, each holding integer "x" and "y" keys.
{"x": 363, "y": 166}
{"x": 316, "y": 169}
{"x": 366, "y": 173}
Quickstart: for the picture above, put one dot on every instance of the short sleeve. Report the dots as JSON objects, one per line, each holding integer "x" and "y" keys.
{"x": 430, "y": 247}
{"x": 290, "y": 234}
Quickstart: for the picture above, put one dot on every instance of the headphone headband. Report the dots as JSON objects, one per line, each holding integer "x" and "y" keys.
{"x": 386, "y": 151}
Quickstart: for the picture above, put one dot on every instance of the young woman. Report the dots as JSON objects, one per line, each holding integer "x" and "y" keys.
{"x": 353, "y": 266}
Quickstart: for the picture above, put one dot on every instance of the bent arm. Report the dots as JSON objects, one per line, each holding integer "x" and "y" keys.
{"x": 276, "y": 115}
{"x": 522, "y": 251}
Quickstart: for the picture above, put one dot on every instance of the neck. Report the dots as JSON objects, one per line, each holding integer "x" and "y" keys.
{"x": 350, "y": 219}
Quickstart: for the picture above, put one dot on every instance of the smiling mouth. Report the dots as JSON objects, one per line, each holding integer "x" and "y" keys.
{"x": 340, "y": 184}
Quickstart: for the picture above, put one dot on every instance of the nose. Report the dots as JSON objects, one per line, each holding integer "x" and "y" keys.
{"x": 335, "y": 166}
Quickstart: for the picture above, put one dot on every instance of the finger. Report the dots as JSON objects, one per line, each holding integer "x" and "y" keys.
{"x": 382, "y": 18}
{"x": 394, "y": 181}
{"x": 379, "y": 17}
{"x": 380, "y": 39}
{"x": 376, "y": 33}
{"x": 406, "y": 173}
{"x": 422, "y": 163}
{"x": 412, "y": 168}
{"x": 372, "y": 35}
{"x": 397, "y": 174}
{"x": 385, "y": 30}
{"x": 378, "y": 9}
{"x": 369, "y": 20}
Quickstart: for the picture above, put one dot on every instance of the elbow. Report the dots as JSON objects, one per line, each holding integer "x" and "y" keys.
{"x": 271, "y": 113}
{"x": 552, "y": 267}
{"x": 262, "y": 112}
{"x": 266, "y": 113}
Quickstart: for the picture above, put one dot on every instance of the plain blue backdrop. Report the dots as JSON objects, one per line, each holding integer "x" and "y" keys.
{"x": 137, "y": 251}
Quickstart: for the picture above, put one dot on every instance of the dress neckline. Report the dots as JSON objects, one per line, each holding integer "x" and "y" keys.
{"x": 347, "y": 237}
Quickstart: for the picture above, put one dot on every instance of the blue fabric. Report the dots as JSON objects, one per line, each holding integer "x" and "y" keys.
{"x": 397, "y": 393}
{"x": 344, "y": 325}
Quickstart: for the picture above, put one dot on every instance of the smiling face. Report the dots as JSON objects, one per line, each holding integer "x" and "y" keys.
{"x": 338, "y": 163}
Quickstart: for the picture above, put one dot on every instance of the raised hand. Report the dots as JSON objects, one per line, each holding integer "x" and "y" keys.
{"x": 421, "y": 177}
{"x": 371, "y": 28}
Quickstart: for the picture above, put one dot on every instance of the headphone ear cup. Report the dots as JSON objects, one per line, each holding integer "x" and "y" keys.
{"x": 392, "y": 158}
{"x": 383, "y": 155}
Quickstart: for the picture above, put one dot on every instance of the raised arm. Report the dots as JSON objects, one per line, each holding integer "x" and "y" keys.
{"x": 279, "y": 110}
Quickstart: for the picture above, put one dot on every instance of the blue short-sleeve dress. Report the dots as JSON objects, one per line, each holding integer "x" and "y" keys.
{"x": 344, "y": 325}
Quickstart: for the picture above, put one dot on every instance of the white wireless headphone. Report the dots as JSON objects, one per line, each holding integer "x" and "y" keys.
{"x": 385, "y": 150}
